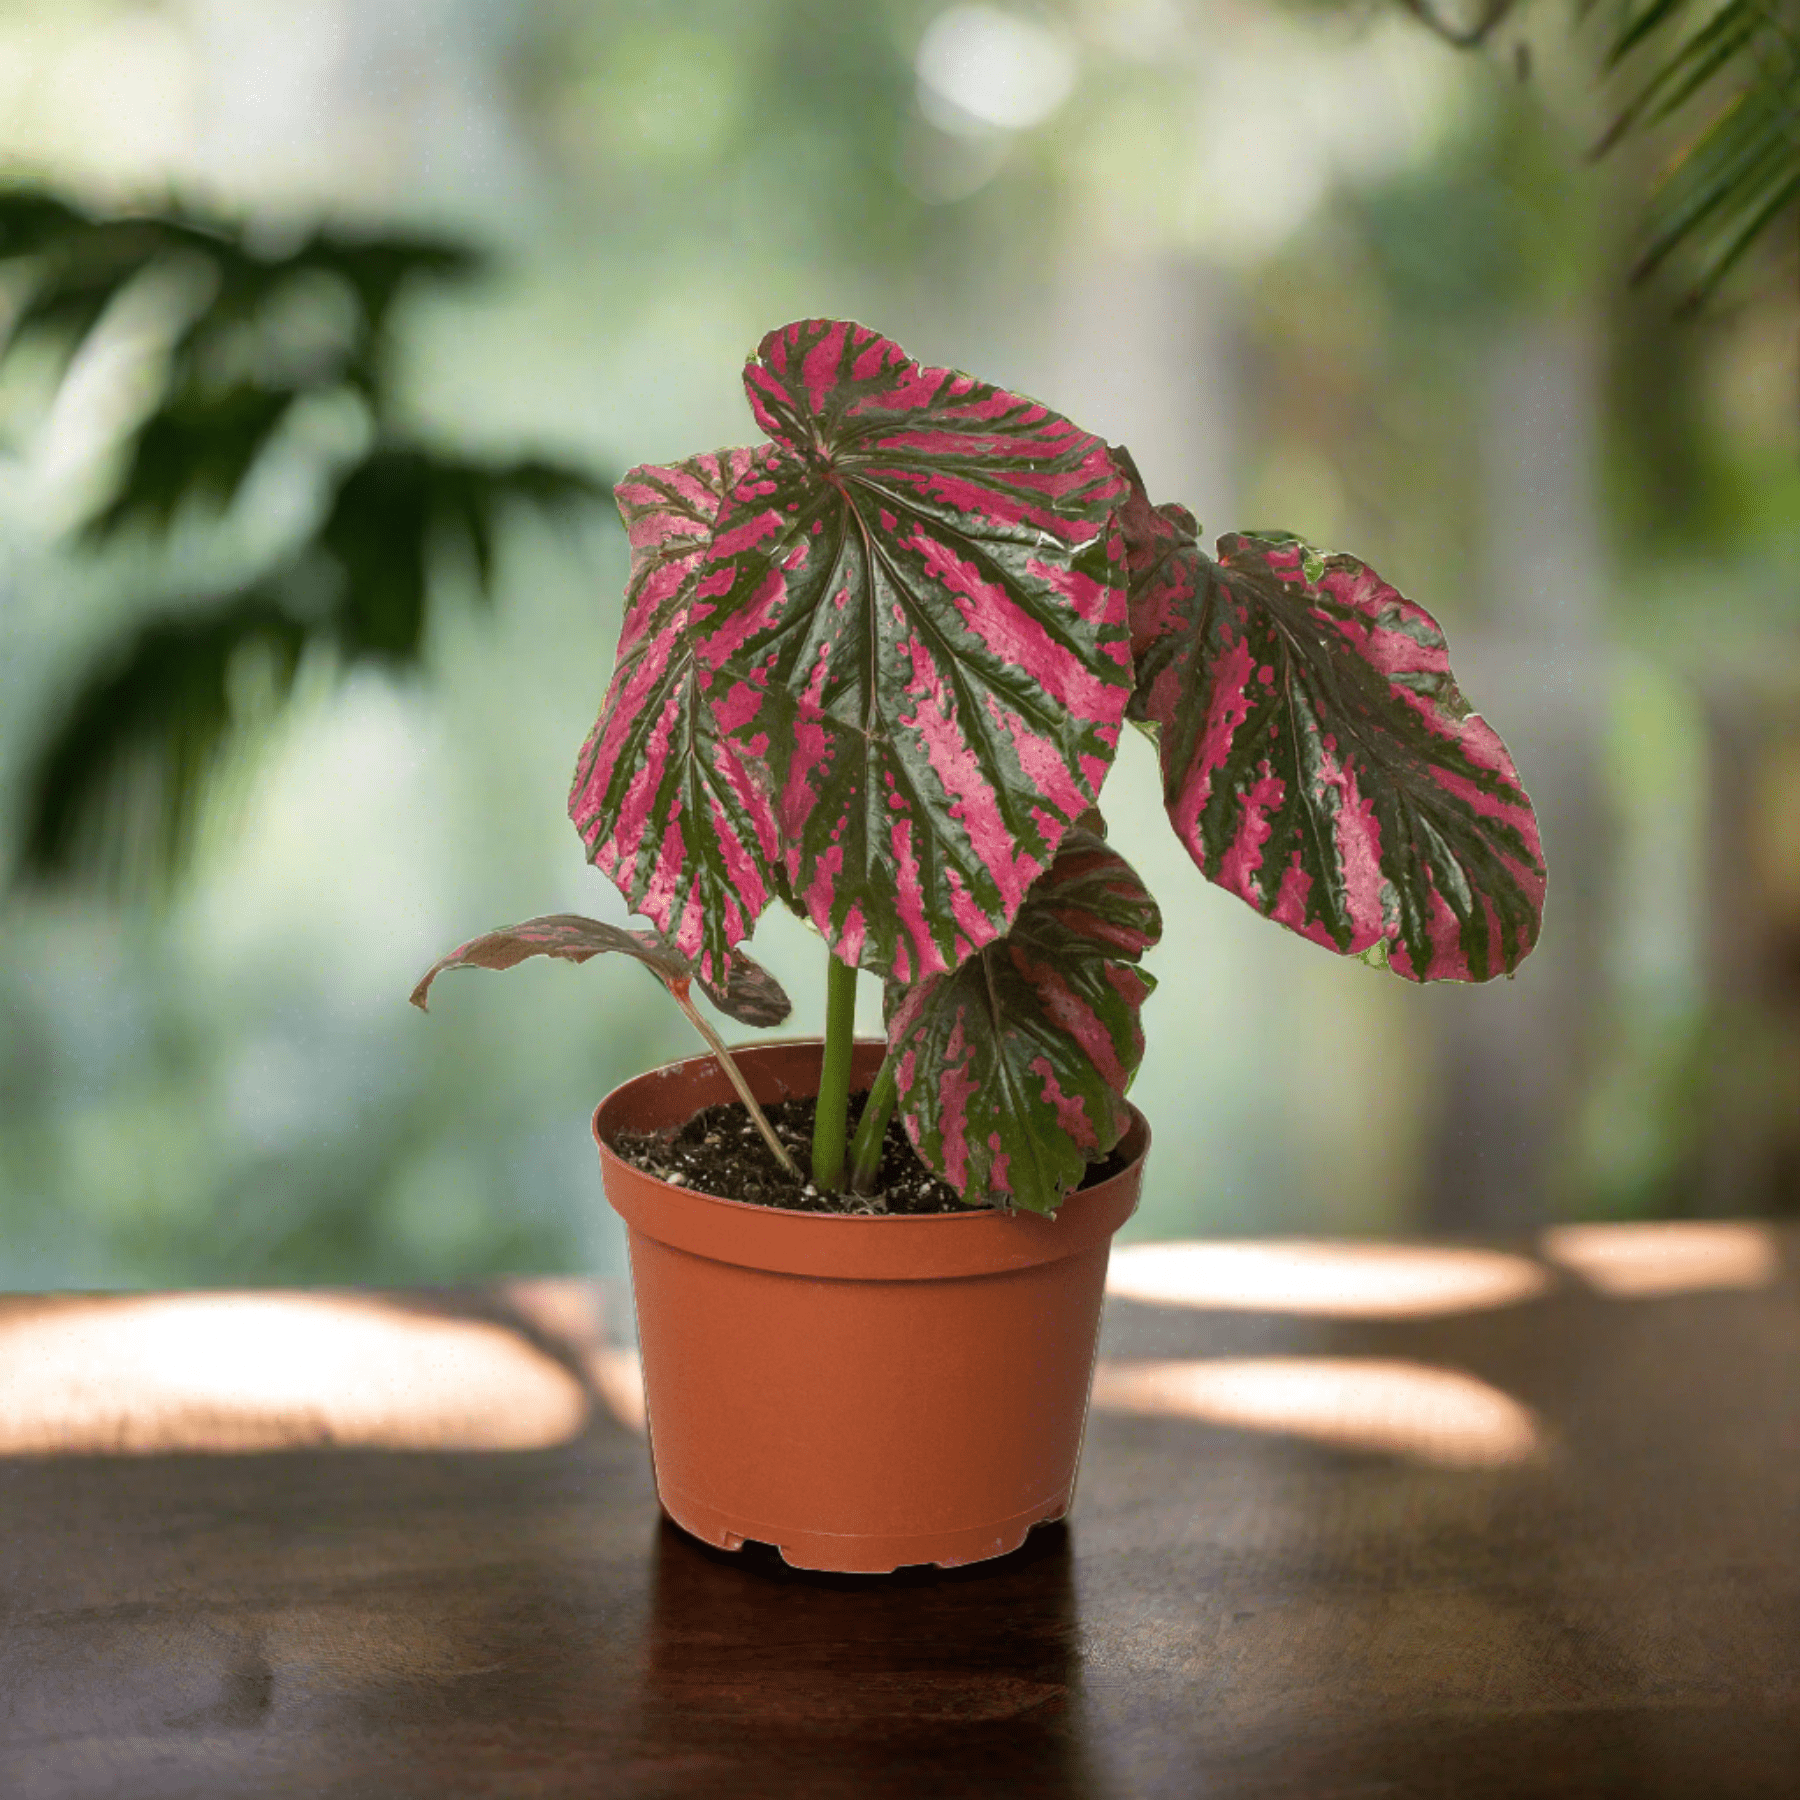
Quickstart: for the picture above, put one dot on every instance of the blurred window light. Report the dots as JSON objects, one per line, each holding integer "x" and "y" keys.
{"x": 1636, "y": 1260}
{"x": 1410, "y": 1409}
{"x": 1325, "y": 1280}
{"x": 232, "y": 1373}
{"x": 982, "y": 69}
{"x": 1267, "y": 151}
{"x": 942, "y": 167}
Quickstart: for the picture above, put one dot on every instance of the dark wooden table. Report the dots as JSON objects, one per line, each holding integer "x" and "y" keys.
{"x": 1362, "y": 1532}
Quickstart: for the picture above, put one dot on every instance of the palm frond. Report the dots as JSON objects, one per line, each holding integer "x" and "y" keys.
{"x": 1736, "y": 174}
{"x": 216, "y": 416}
{"x": 114, "y": 790}
{"x": 116, "y": 787}
{"x": 382, "y": 523}
{"x": 196, "y": 447}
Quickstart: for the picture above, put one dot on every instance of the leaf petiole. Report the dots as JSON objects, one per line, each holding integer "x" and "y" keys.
{"x": 678, "y": 989}
{"x": 871, "y": 1131}
{"x": 830, "y": 1122}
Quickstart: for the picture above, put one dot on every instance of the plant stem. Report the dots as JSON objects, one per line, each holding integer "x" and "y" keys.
{"x": 865, "y": 1153}
{"x": 830, "y": 1121}
{"x": 728, "y": 1063}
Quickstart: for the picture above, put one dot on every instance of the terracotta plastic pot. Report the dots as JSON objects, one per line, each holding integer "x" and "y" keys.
{"x": 862, "y": 1393}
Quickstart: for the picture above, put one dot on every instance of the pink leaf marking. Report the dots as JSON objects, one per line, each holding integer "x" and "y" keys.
{"x": 924, "y": 582}
{"x": 1317, "y": 755}
{"x": 666, "y": 804}
{"x": 1040, "y": 1033}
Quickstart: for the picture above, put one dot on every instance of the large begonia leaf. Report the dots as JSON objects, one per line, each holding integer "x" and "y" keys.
{"x": 667, "y": 805}
{"x": 752, "y": 995}
{"x": 1318, "y": 758}
{"x": 914, "y": 613}
{"x": 1012, "y": 1069}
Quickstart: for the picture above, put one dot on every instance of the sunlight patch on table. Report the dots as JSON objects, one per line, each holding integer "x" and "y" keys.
{"x": 618, "y": 1378}
{"x": 245, "y": 1372}
{"x": 570, "y": 1311}
{"x": 1676, "y": 1256}
{"x": 1400, "y": 1408}
{"x": 1322, "y": 1279}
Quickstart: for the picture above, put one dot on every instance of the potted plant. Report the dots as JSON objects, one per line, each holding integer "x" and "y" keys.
{"x": 875, "y": 669}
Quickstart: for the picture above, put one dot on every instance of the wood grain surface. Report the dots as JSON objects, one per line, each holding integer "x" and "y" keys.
{"x": 1541, "y": 1539}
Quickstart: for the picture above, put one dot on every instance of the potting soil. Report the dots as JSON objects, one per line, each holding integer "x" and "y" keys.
{"x": 720, "y": 1151}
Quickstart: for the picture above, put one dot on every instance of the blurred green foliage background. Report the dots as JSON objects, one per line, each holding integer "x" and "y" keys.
{"x": 1318, "y": 268}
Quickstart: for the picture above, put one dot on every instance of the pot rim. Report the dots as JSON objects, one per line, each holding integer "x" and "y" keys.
{"x": 981, "y": 1239}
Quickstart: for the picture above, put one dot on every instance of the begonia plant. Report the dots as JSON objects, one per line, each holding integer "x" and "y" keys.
{"x": 875, "y": 668}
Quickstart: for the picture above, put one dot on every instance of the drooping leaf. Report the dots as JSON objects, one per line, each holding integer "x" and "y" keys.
{"x": 749, "y": 993}
{"x": 913, "y": 612}
{"x": 113, "y": 790}
{"x": 1318, "y": 759}
{"x": 753, "y": 996}
{"x": 668, "y": 806}
{"x": 568, "y": 937}
{"x": 1012, "y": 1068}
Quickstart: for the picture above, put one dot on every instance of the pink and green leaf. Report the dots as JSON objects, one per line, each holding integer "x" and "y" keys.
{"x": 1012, "y": 1068}
{"x": 752, "y": 995}
{"x": 913, "y": 613}
{"x": 1318, "y": 758}
{"x": 668, "y": 805}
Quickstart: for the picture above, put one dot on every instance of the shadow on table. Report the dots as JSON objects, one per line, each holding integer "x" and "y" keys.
{"x": 935, "y": 1681}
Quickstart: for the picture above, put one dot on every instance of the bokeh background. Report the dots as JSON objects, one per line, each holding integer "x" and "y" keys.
{"x": 1318, "y": 268}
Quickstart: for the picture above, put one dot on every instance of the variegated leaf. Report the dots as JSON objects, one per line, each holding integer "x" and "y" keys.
{"x": 1318, "y": 759}
{"x": 667, "y": 805}
{"x": 752, "y": 996}
{"x": 914, "y": 613}
{"x": 1012, "y": 1068}
{"x": 1161, "y": 567}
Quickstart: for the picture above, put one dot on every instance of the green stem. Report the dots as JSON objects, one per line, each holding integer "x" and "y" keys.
{"x": 829, "y": 1123}
{"x": 871, "y": 1133}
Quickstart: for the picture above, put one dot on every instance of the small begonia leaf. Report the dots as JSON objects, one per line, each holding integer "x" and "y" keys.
{"x": 1318, "y": 758}
{"x": 667, "y": 805}
{"x": 913, "y": 612}
{"x": 752, "y": 996}
{"x": 1012, "y": 1068}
